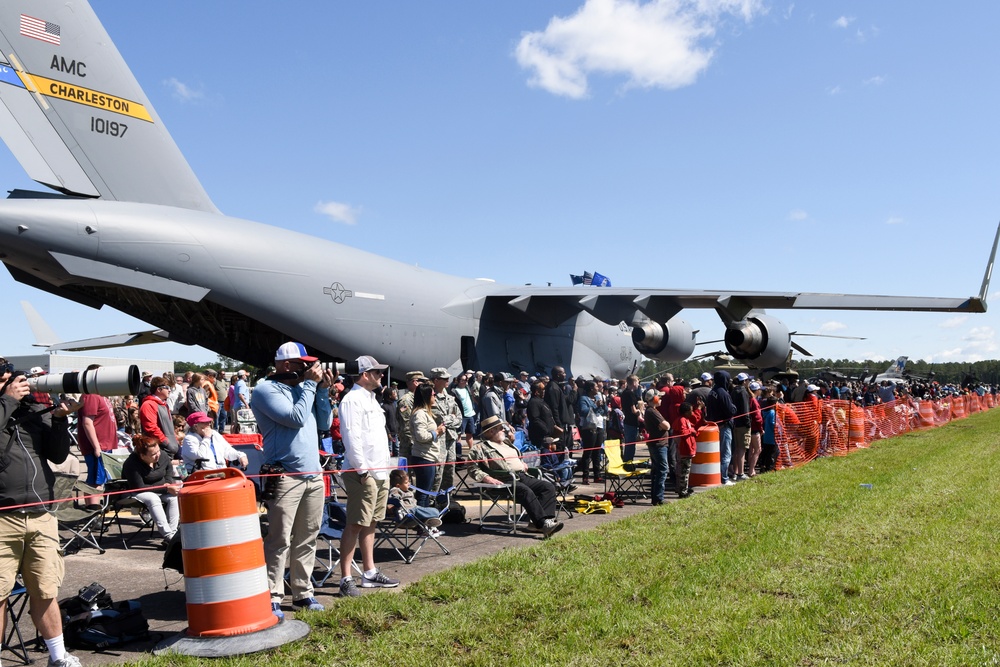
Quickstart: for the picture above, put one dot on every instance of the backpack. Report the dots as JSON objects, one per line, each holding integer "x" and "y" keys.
{"x": 455, "y": 513}
{"x": 91, "y": 620}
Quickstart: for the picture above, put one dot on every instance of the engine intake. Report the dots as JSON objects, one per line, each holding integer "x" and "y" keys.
{"x": 760, "y": 339}
{"x": 670, "y": 341}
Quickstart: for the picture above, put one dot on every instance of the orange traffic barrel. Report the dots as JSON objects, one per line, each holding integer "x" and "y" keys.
{"x": 926, "y": 412}
{"x": 856, "y": 427}
{"x": 705, "y": 468}
{"x": 225, "y": 578}
{"x": 957, "y": 407}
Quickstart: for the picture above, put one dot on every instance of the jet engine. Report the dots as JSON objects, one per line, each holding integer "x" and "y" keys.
{"x": 760, "y": 339}
{"x": 670, "y": 341}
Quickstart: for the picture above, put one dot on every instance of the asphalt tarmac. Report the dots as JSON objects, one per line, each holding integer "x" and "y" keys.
{"x": 136, "y": 572}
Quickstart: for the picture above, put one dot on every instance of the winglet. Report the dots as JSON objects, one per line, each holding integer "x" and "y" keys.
{"x": 989, "y": 270}
{"x": 44, "y": 335}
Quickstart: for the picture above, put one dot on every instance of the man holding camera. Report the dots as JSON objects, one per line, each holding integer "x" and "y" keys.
{"x": 291, "y": 408}
{"x": 29, "y": 535}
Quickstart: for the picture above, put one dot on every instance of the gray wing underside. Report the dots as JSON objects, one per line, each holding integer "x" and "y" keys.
{"x": 75, "y": 117}
{"x": 552, "y": 305}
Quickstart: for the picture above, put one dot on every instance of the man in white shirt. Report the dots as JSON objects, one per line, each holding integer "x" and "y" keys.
{"x": 365, "y": 477}
{"x": 204, "y": 448}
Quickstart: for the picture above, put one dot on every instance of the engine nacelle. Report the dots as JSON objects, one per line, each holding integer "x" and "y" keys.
{"x": 671, "y": 341}
{"x": 759, "y": 339}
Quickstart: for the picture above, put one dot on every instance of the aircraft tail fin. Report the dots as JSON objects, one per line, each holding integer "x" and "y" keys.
{"x": 895, "y": 369}
{"x": 75, "y": 117}
{"x": 989, "y": 270}
{"x": 44, "y": 335}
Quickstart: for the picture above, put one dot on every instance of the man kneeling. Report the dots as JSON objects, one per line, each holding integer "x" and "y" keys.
{"x": 498, "y": 462}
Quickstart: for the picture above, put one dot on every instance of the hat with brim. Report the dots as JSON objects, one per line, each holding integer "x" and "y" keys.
{"x": 489, "y": 424}
{"x": 291, "y": 351}
{"x": 198, "y": 418}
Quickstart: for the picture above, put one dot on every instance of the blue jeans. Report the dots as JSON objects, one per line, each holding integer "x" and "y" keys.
{"x": 423, "y": 478}
{"x": 725, "y": 448}
{"x": 631, "y": 436}
{"x": 658, "y": 473}
{"x": 221, "y": 419}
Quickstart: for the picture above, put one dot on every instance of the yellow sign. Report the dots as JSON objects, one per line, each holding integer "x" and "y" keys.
{"x": 81, "y": 95}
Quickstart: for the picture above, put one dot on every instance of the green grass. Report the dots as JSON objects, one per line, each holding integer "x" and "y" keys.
{"x": 802, "y": 567}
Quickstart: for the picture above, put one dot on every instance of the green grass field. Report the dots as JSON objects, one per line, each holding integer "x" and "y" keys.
{"x": 801, "y": 567}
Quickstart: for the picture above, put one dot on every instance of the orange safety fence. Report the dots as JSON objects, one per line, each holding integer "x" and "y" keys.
{"x": 807, "y": 430}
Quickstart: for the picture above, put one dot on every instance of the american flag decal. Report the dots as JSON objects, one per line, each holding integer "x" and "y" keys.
{"x": 39, "y": 29}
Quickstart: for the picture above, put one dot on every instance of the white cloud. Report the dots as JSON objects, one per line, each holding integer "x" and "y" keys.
{"x": 894, "y": 220}
{"x": 876, "y": 80}
{"x": 182, "y": 91}
{"x": 657, "y": 44}
{"x": 338, "y": 212}
{"x": 953, "y": 322}
{"x": 945, "y": 355}
{"x": 980, "y": 335}
{"x": 843, "y": 21}
{"x": 834, "y": 90}
{"x": 798, "y": 215}
{"x": 832, "y": 326}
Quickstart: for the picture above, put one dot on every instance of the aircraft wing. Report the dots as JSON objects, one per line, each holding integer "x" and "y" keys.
{"x": 104, "y": 342}
{"x": 552, "y": 305}
{"x": 74, "y": 116}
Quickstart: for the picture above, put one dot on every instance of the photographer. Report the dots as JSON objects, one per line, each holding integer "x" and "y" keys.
{"x": 29, "y": 535}
{"x": 292, "y": 407}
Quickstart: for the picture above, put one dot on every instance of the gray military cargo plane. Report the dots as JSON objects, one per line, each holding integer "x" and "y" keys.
{"x": 129, "y": 225}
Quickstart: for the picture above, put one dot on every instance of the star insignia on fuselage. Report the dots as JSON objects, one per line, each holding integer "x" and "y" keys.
{"x": 337, "y": 292}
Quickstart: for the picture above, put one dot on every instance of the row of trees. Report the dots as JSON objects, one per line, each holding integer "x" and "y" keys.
{"x": 947, "y": 372}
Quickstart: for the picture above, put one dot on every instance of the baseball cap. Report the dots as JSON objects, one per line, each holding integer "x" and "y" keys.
{"x": 742, "y": 377}
{"x": 291, "y": 350}
{"x": 440, "y": 374}
{"x": 754, "y": 386}
{"x": 198, "y": 418}
{"x": 415, "y": 375}
{"x": 811, "y": 387}
{"x": 369, "y": 363}
{"x": 651, "y": 394}
{"x": 705, "y": 377}
{"x": 37, "y": 370}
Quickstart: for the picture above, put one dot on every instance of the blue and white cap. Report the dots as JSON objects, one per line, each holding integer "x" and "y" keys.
{"x": 290, "y": 351}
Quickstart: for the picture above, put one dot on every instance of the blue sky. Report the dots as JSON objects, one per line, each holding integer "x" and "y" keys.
{"x": 829, "y": 147}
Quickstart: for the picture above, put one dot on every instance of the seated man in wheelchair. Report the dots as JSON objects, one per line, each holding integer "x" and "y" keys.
{"x": 494, "y": 460}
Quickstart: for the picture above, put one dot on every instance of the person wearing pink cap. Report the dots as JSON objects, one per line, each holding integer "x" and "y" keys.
{"x": 204, "y": 448}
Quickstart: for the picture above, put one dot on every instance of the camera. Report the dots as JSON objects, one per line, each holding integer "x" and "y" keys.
{"x": 103, "y": 381}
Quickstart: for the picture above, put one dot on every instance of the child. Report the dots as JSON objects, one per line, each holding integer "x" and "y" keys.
{"x": 687, "y": 445}
{"x": 400, "y": 490}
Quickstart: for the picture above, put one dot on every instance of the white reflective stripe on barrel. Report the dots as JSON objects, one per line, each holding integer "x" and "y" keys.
{"x": 220, "y": 533}
{"x": 707, "y": 446}
{"x": 706, "y": 468}
{"x": 226, "y": 587}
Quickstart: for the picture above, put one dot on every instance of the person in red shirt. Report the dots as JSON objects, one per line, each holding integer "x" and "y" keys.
{"x": 155, "y": 419}
{"x": 686, "y": 437}
{"x": 97, "y": 433}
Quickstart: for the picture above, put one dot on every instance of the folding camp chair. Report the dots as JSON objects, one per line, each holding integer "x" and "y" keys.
{"x": 12, "y": 639}
{"x": 406, "y": 532}
{"x": 332, "y": 529}
{"x": 502, "y": 503}
{"x": 74, "y": 516}
{"x": 121, "y": 506}
{"x": 624, "y": 483}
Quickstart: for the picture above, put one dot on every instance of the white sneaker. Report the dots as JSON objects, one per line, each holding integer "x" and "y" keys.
{"x": 728, "y": 482}
{"x": 66, "y": 661}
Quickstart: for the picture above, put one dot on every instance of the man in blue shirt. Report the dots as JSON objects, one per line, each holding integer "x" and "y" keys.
{"x": 291, "y": 408}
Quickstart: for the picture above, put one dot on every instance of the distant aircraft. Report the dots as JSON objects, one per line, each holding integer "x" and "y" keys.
{"x": 895, "y": 373}
{"x": 131, "y": 227}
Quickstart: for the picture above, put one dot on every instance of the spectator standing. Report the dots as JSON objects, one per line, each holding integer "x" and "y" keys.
{"x": 404, "y": 408}
{"x": 291, "y": 408}
{"x": 97, "y": 432}
{"x": 632, "y": 408}
{"x": 446, "y": 411}
{"x": 222, "y": 392}
{"x": 29, "y": 536}
{"x": 719, "y": 408}
{"x": 155, "y": 419}
{"x": 657, "y": 430}
{"x": 366, "y": 479}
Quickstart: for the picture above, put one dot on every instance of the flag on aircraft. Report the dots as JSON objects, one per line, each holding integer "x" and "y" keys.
{"x": 577, "y": 280}
{"x": 39, "y": 29}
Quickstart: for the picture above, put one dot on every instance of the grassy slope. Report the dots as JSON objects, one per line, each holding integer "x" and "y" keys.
{"x": 801, "y": 567}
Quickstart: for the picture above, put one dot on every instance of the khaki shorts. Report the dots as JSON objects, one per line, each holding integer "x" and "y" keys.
{"x": 30, "y": 543}
{"x": 366, "y": 498}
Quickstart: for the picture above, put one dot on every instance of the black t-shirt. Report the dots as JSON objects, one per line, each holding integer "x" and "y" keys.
{"x": 630, "y": 397}
{"x": 652, "y": 419}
